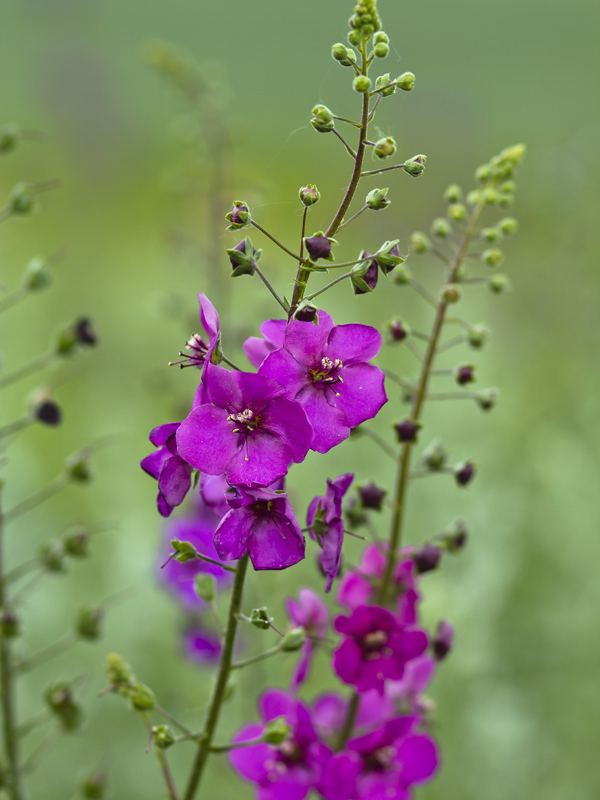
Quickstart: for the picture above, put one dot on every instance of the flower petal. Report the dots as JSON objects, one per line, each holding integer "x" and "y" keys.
{"x": 174, "y": 481}
{"x": 361, "y": 395}
{"x": 353, "y": 343}
{"x": 288, "y": 421}
{"x": 205, "y": 439}
{"x": 276, "y": 543}
{"x": 232, "y": 535}
{"x": 283, "y": 367}
{"x": 306, "y": 341}
{"x": 419, "y": 758}
{"x": 208, "y": 315}
{"x": 329, "y": 423}
{"x": 250, "y": 761}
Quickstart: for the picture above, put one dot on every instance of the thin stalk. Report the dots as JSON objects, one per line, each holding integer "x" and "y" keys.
{"x": 349, "y": 121}
{"x": 351, "y": 152}
{"x": 31, "y": 502}
{"x": 225, "y": 748}
{"x": 260, "y": 657}
{"x": 162, "y": 763}
{"x": 277, "y": 242}
{"x": 383, "y": 169}
{"x": 15, "y": 427}
{"x": 451, "y": 396}
{"x": 53, "y": 651}
{"x": 354, "y": 216}
{"x": 165, "y": 714}
{"x": 218, "y": 694}
{"x": 269, "y": 287}
{"x": 28, "y": 369}
{"x": 389, "y": 451}
{"x": 449, "y": 344}
{"x": 328, "y": 286}
{"x": 231, "y": 364}
{"x": 14, "y": 298}
{"x": 425, "y": 294}
{"x": 350, "y": 720}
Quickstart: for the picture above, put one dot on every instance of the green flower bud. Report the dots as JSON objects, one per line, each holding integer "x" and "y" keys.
{"x": 388, "y": 256}
{"x": 508, "y": 226}
{"x": 483, "y": 173}
{"x": 309, "y": 194}
{"x": 63, "y": 705}
{"x": 339, "y": 52}
{"x": 406, "y": 81}
{"x": 9, "y": 137}
{"x": 377, "y": 199}
{"x": 489, "y": 196}
{"x": 451, "y": 293}
{"x": 493, "y": 257}
{"x": 243, "y": 258}
{"x": 22, "y": 201}
{"x": 402, "y": 276}
{"x": 37, "y": 275}
{"x": 513, "y": 155}
{"x": 457, "y": 211}
{"x": 415, "y": 165}
{"x": 453, "y": 193}
{"x": 142, "y": 697}
{"x": 118, "y": 671}
{"x": 419, "y": 243}
{"x": 381, "y": 50}
{"x": 322, "y": 120}
{"x": 441, "y": 228}
{"x": 76, "y": 542}
{"x": 162, "y": 736}
{"x": 490, "y": 235}
{"x": 78, "y": 467}
{"x": 381, "y": 36}
{"x": 508, "y": 187}
{"x": 499, "y": 284}
{"x": 52, "y": 556}
{"x": 487, "y": 399}
{"x": 204, "y": 586}
{"x": 435, "y": 456}
{"x": 9, "y": 625}
{"x": 477, "y": 336}
{"x": 474, "y": 197}
{"x": 361, "y": 84}
{"x": 277, "y": 731}
{"x": 239, "y": 216}
{"x": 260, "y": 618}
{"x": 384, "y": 80}
{"x": 384, "y": 148}
{"x": 185, "y": 551}
{"x": 505, "y": 200}
{"x": 89, "y": 623}
{"x": 354, "y": 38}
{"x": 293, "y": 640}
{"x": 94, "y": 786}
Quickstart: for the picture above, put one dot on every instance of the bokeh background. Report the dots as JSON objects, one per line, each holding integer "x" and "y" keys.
{"x": 518, "y": 701}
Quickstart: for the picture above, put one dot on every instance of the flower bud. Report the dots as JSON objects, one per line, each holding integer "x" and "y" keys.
{"x": 76, "y": 542}
{"x": 78, "y": 467}
{"x": 37, "y": 275}
{"x": 94, "y": 786}
{"x": 491, "y": 235}
{"x": 355, "y": 513}
{"x": 388, "y": 256}
{"x": 63, "y": 705}
{"x": 89, "y": 623}
{"x": 474, "y": 197}
{"x": 451, "y": 293}
{"x": 498, "y": 284}
{"x": 456, "y": 539}
{"x": 386, "y": 147}
{"x": 354, "y": 38}
{"x": 339, "y": 52}
{"x": 377, "y": 200}
{"x": 381, "y": 36}
{"x": 319, "y": 246}
{"x": 483, "y": 173}
{"x": 453, "y": 193}
{"x": 371, "y": 496}
{"x": 506, "y": 200}
{"x": 118, "y": 671}
{"x": 185, "y": 551}
{"x": 22, "y": 201}
{"x": 204, "y": 586}
{"x": 443, "y": 641}
{"x": 364, "y": 275}
{"x": 464, "y": 473}
{"x": 276, "y": 731}
{"x": 306, "y": 312}
{"x": 381, "y": 50}
{"x": 85, "y": 333}
{"x": 508, "y": 226}
{"x": 9, "y": 625}
{"x": 427, "y": 558}
{"x": 239, "y": 216}
{"x": 508, "y": 187}
{"x": 243, "y": 258}
{"x": 9, "y": 137}
{"x": 419, "y": 243}
{"x": 401, "y": 275}
{"x": 293, "y": 640}
{"x": 309, "y": 195}
{"x": 398, "y": 330}
{"x": 142, "y": 697}
{"x": 260, "y": 618}
{"x": 477, "y": 336}
{"x": 361, "y": 84}
{"x": 407, "y": 430}
{"x": 487, "y": 399}
{"x": 52, "y": 556}
{"x": 384, "y": 81}
{"x": 415, "y": 165}
{"x": 48, "y": 412}
{"x": 406, "y": 81}
{"x": 441, "y": 228}
{"x": 464, "y": 374}
{"x": 457, "y": 212}
{"x": 434, "y": 457}
{"x": 489, "y": 196}
{"x": 162, "y": 736}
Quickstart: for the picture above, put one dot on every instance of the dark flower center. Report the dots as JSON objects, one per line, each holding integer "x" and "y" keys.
{"x": 381, "y": 759}
{"x": 245, "y": 422}
{"x": 374, "y": 641}
{"x": 328, "y": 371}
{"x": 290, "y": 752}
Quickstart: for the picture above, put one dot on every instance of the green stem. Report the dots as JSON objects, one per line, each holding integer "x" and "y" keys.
{"x": 15, "y": 427}
{"x": 162, "y": 762}
{"x": 38, "y": 363}
{"x": 31, "y": 502}
{"x": 260, "y": 657}
{"x": 218, "y": 694}
{"x": 53, "y": 651}
{"x": 349, "y": 721}
{"x": 389, "y": 451}
{"x": 270, "y": 288}
{"x": 351, "y": 152}
{"x": 277, "y": 242}
{"x": 329, "y": 285}
{"x": 383, "y": 169}
{"x": 13, "y": 299}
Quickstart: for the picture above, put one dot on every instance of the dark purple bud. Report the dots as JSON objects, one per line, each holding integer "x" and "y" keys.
{"x": 456, "y": 538}
{"x": 236, "y": 215}
{"x": 371, "y": 496}
{"x": 370, "y": 277}
{"x": 407, "y": 430}
{"x": 306, "y": 314}
{"x": 355, "y": 513}
{"x": 465, "y": 374}
{"x": 444, "y": 640}
{"x": 398, "y": 330}
{"x": 48, "y": 412}
{"x": 84, "y": 332}
{"x": 318, "y": 246}
{"x": 9, "y": 624}
{"x": 427, "y": 558}
{"x": 464, "y": 473}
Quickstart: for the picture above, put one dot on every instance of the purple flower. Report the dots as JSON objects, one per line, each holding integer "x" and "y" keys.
{"x": 325, "y": 517}
{"x": 165, "y": 465}
{"x": 198, "y": 350}
{"x": 360, "y": 587}
{"x": 249, "y": 431}
{"x": 201, "y": 646}
{"x": 407, "y": 692}
{"x": 261, "y": 523}
{"x": 257, "y": 349}
{"x": 319, "y": 246}
{"x": 331, "y": 710}
{"x": 178, "y": 577}
{"x": 215, "y": 492}
{"x": 308, "y": 612}
{"x": 288, "y": 771}
{"x": 325, "y": 369}
{"x": 381, "y": 765}
{"x": 376, "y": 648}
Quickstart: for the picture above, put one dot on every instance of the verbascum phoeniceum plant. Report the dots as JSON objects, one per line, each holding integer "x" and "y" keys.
{"x": 314, "y": 385}
{"x": 41, "y": 554}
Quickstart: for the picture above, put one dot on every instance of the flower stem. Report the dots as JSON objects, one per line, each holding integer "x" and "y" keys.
{"x": 383, "y": 169}
{"x": 216, "y": 701}
{"x": 162, "y": 763}
{"x": 31, "y": 502}
{"x": 269, "y": 287}
{"x": 329, "y": 285}
{"x": 38, "y": 363}
{"x": 350, "y": 720}
{"x": 354, "y": 216}
{"x": 277, "y": 242}
{"x": 260, "y": 657}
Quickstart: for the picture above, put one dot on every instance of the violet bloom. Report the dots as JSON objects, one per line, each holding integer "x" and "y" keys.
{"x": 200, "y": 351}
{"x": 324, "y": 367}
{"x": 382, "y": 765}
{"x": 308, "y": 612}
{"x": 359, "y": 588}
{"x": 168, "y": 468}
{"x": 201, "y": 646}
{"x": 257, "y": 349}
{"x": 261, "y": 523}
{"x": 249, "y": 431}
{"x": 407, "y": 693}
{"x": 178, "y": 577}
{"x": 288, "y": 771}
{"x": 325, "y": 517}
{"x": 330, "y": 712}
{"x": 215, "y": 492}
{"x": 376, "y": 648}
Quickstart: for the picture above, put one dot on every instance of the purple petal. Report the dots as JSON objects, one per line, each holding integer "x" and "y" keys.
{"x": 223, "y": 388}
{"x": 262, "y": 461}
{"x": 256, "y": 350}
{"x": 276, "y": 703}
{"x": 306, "y": 343}
{"x": 256, "y": 389}
{"x": 329, "y": 713}
{"x": 201, "y": 646}
{"x": 332, "y": 551}
{"x": 174, "y": 481}
{"x": 373, "y": 561}
{"x": 419, "y": 758}
{"x": 164, "y": 509}
{"x": 302, "y": 668}
{"x": 288, "y": 421}
{"x": 201, "y": 397}
{"x": 233, "y": 533}
{"x": 208, "y": 316}
{"x": 354, "y": 591}
{"x": 250, "y": 761}
{"x": 353, "y": 343}
{"x": 283, "y": 789}
{"x": 347, "y": 661}
{"x": 361, "y": 395}
{"x": 283, "y": 367}
{"x": 276, "y": 543}
{"x": 329, "y": 423}
{"x": 205, "y": 440}
{"x": 374, "y": 708}
{"x": 341, "y": 773}
{"x": 274, "y": 331}
{"x": 159, "y": 435}
{"x": 152, "y": 464}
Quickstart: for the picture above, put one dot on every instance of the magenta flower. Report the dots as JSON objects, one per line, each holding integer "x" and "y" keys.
{"x": 407, "y": 692}
{"x": 250, "y": 432}
{"x": 201, "y": 646}
{"x": 257, "y": 349}
{"x": 261, "y": 523}
{"x": 376, "y": 648}
{"x": 288, "y": 771}
{"x": 168, "y": 468}
{"x": 215, "y": 492}
{"x": 325, "y": 369}
{"x": 325, "y": 516}
{"x": 200, "y": 351}
{"x": 381, "y": 765}
{"x": 178, "y": 577}
{"x": 359, "y": 588}
{"x": 331, "y": 710}
{"x": 308, "y": 612}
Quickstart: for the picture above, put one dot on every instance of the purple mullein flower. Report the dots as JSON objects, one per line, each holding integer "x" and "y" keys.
{"x": 382, "y": 765}
{"x": 257, "y": 349}
{"x": 376, "y": 648}
{"x": 250, "y": 432}
{"x": 407, "y": 692}
{"x": 168, "y": 468}
{"x": 261, "y": 523}
{"x": 324, "y": 367}
{"x": 201, "y": 645}
{"x": 215, "y": 491}
{"x": 200, "y": 351}
{"x": 360, "y": 587}
{"x": 308, "y": 612}
{"x": 325, "y": 517}
{"x": 198, "y": 529}
{"x": 330, "y": 712}
{"x": 288, "y": 771}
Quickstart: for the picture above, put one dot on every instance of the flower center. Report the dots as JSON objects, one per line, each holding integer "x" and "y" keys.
{"x": 328, "y": 371}
{"x": 246, "y": 422}
{"x": 375, "y": 640}
{"x": 383, "y": 758}
{"x": 290, "y": 753}
{"x": 196, "y": 356}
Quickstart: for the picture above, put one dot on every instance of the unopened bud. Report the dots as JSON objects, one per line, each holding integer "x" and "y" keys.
{"x": 434, "y": 457}
{"x": 364, "y": 275}
{"x": 464, "y": 473}
{"x": 386, "y": 147}
{"x": 118, "y": 671}
{"x": 406, "y": 81}
{"x": 293, "y": 640}
{"x": 243, "y": 258}
{"x": 453, "y": 193}
{"x": 9, "y": 625}
{"x": 474, "y": 197}
{"x": 52, "y": 556}
{"x": 22, "y": 200}
{"x": 487, "y": 399}
{"x": 185, "y": 551}
{"x": 63, "y": 705}
{"x": 339, "y": 52}
{"x": 491, "y": 235}
{"x": 483, "y": 173}
{"x": 407, "y": 431}
{"x": 489, "y": 196}
{"x": 388, "y": 256}
{"x": 354, "y": 38}
{"x": 9, "y": 137}
{"x": 506, "y": 200}
{"x": 260, "y": 618}
{"x": 451, "y": 293}
{"x": 477, "y": 336}
{"x": 398, "y": 330}
{"x": 372, "y": 496}
{"x": 427, "y": 558}
{"x": 48, "y": 412}
{"x": 309, "y": 195}
{"x": 464, "y": 374}
{"x": 76, "y": 542}
{"x": 457, "y": 212}
{"x": 162, "y": 736}
{"x": 37, "y": 275}
{"x": 415, "y": 165}
{"x": 319, "y": 246}
{"x": 361, "y": 84}
{"x": 498, "y": 284}
{"x": 443, "y": 640}
{"x": 419, "y": 243}
{"x": 78, "y": 467}
{"x": 239, "y": 216}
{"x": 277, "y": 731}
{"x": 94, "y": 786}
{"x": 377, "y": 200}
{"x": 456, "y": 538}
{"x": 89, "y": 623}
{"x": 508, "y": 226}
{"x": 355, "y": 513}
{"x": 383, "y": 85}
{"x": 381, "y": 50}
{"x": 84, "y": 332}
{"x": 204, "y": 586}
{"x": 381, "y": 36}
{"x": 306, "y": 313}
{"x": 142, "y": 697}
{"x": 440, "y": 228}
{"x": 401, "y": 275}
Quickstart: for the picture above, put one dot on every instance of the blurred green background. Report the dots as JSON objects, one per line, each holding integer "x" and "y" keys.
{"x": 518, "y": 701}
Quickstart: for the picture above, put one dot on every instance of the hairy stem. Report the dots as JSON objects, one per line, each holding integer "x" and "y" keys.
{"x": 28, "y": 369}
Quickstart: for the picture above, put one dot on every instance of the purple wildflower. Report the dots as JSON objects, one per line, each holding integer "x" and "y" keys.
{"x": 325, "y": 517}
{"x": 257, "y": 349}
{"x": 407, "y": 692}
{"x": 215, "y": 492}
{"x": 249, "y": 431}
{"x": 168, "y": 468}
{"x": 308, "y": 612}
{"x": 261, "y": 523}
{"x": 198, "y": 350}
{"x": 201, "y": 646}
{"x": 330, "y": 712}
{"x": 376, "y": 648}
{"x": 288, "y": 771}
{"x": 325, "y": 369}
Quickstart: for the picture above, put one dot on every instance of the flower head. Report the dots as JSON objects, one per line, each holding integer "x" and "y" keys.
{"x": 325, "y": 369}
{"x": 325, "y": 517}
{"x": 308, "y": 612}
{"x": 168, "y": 468}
